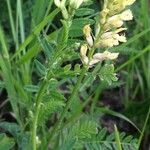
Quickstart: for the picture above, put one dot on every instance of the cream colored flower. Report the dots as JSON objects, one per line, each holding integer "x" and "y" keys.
{"x": 108, "y": 43}
{"x": 93, "y": 62}
{"x": 60, "y": 3}
{"x": 76, "y": 3}
{"x": 126, "y": 15}
{"x": 85, "y": 60}
{"x": 105, "y": 55}
{"x": 120, "y": 30}
{"x": 83, "y": 52}
{"x": 103, "y": 15}
{"x": 111, "y": 34}
{"x": 108, "y": 32}
{"x": 87, "y": 32}
{"x": 117, "y": 21}
{"x": 99, "y": 57}
{"x": 57, "y": 3}
{"x": 120, "y": 38}
{"x": 116, "y": 6}
{"x": 112, "y": 38}
{"x": 128, "y": 2}
{"x": 113, "y": 22}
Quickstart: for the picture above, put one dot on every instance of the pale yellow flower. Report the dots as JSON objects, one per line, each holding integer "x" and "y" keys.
{"x": 113, "y": 22}
{"x": 87, "y": 32}
{"x": 60, "y": 3}
{"x": 85, "y": 60}
{"x": 104, "y": 12}
{"x": 126, "y": 15}
{"x": 108, "y": 32}
{"x": 83, "y": 52}
{"x": 105, "y": 55}
{"x": 117, "y": 21}
{"x": 99, "y": 57}
{"x": 103, "y": 15}
{"x": 128, "y": 2}
{"x": 116, "y": 6}
{"x": 76, "y": 3}
{"x": 112, "y": 38}
{"x": 57, "y": 3}
{"x": 93, "y": 62}
{"x": 120, "y": 30}
{"x": 120, "y": 38}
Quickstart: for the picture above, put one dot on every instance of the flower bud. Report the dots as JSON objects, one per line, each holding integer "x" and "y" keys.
{"x": 103, "y": 15}
{"x": 85, "y": 60}
{"x": 57, "y": 3}
{"x": 61, "y": 5}
{"x": 87, "y": 32}
{"x": 75, "y": 3}
{"x": 83, "y": 50}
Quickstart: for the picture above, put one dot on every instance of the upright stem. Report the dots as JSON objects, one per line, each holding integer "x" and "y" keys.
{"x": 37, "y": 110}
{"x": 95, "y": 99}
{"x": 74, "y": 92}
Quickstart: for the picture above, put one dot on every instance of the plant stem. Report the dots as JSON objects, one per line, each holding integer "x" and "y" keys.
{"x": 38, "y": 105}
{"x": 37, "y": 110}
{"x": 74, "y": 92}
{"x": 95, "y": 99}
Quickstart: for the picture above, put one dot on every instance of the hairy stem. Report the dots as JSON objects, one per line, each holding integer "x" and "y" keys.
{"x": 37, "y": 110}
{"x": 38, "y": 103}
{"x": 74, "y": 92}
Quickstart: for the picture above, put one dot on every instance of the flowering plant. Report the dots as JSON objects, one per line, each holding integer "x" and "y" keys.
{"x": 108, "y": 31}
{"x": 48, "y": 95}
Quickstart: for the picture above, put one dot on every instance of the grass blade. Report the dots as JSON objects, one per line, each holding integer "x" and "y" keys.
{"x": 118, "y": 143}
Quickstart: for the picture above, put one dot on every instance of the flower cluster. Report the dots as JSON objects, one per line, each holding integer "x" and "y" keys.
{"x": 108, "y": 31}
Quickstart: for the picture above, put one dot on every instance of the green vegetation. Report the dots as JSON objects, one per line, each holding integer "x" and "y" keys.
{"x": 67, "y": 65}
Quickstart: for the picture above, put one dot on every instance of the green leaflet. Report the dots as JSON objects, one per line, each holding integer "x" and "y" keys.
{"x": 84, "y": 12}
{"x": 6, "y": 143}
{"x": 107, "y": 74}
